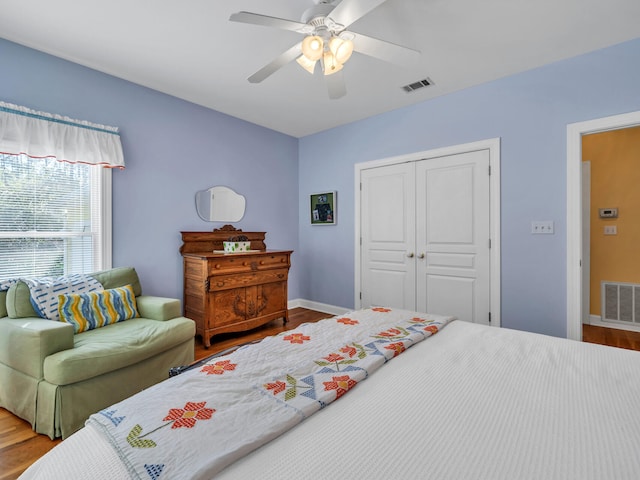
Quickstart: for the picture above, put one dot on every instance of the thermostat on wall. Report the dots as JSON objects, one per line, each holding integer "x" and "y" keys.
{"x": 608, "y": 213}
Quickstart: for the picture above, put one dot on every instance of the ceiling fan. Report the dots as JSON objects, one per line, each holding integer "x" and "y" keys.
{"x": 327, "y": 41}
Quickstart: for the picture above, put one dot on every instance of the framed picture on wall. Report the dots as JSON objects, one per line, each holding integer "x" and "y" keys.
{"x": 323, "y": 208}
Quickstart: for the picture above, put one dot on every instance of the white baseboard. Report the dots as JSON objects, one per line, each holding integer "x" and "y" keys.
{"x": 320, "y": 307}
{"x": 596, "y": 320}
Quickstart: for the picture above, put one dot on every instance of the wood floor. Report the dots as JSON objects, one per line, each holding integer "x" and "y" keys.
{"x": 20, "y": 446}
{"x": 611, "y": 336}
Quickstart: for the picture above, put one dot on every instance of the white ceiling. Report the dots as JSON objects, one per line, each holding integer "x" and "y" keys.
{"x": 191, "y": 50}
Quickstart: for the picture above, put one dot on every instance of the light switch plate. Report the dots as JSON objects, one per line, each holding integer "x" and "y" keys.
{"x": 542, "y": 227}
{"x": 611, "y": 230}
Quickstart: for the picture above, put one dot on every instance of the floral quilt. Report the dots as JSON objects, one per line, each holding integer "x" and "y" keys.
{"x": 193, "y": 425}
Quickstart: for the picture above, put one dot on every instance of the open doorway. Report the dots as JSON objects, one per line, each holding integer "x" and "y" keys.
{"x": 576, "y": 285}
{"x": 611, "y": 234}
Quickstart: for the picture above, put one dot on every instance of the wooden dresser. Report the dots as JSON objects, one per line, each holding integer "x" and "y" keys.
{"x": 232, "y": 292}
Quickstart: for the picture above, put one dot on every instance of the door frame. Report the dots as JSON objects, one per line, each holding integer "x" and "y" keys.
{"x": 586, "y": 240}
{"x": 493, "y": 145}
{"x": 575, "y": 131}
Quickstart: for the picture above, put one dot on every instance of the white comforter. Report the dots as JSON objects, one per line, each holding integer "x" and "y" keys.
{"x": 194, "y": 425}
{"x": 472, "y": 402}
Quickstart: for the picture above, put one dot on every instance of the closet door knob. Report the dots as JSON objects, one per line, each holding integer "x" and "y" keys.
{"x": 410, "y": 255}
{"x": 421, "y": 255}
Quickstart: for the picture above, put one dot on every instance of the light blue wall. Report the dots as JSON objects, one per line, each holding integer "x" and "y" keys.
{"x": 172, "y": 149}
{"x": 530, "y": 113}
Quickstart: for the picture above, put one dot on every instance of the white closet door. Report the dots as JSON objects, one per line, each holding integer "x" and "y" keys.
{"x": 452, "y": 236}
{"x": 388, "y": 236}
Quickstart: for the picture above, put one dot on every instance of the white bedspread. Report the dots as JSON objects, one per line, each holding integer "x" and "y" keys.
{"x": 472, "y": 402}
{"x": 193, "y": 425}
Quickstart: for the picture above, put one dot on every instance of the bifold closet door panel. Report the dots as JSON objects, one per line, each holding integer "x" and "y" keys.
{"x": 388, "y": 236}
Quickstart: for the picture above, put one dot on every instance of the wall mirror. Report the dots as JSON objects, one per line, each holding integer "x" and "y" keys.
{"x": 220, "y": 204}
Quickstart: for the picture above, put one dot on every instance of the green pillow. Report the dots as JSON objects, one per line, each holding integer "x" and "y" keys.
{"x": 86, "y": 311}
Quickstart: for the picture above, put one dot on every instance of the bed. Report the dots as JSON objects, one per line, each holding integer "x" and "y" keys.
{"x": 465, "y": 401}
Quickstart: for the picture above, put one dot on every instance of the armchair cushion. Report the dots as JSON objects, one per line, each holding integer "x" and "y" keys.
{"x": 118, "y": 277}
{"x": 3, "y": 304}
{"x": 19, "y": 301}
{"x": 115, "y": 346}
{"x": 86, "y": 311}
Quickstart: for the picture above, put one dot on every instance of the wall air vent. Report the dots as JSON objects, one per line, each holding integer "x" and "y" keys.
{"x": 417, "y": 85}
{"x": 621, "y": 302}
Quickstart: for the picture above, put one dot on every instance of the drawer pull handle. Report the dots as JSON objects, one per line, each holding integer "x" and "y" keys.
{"x": 261, "y": 262}
{"x": 217, "y": 266}
{"x": 281, "y": 275}
{"x": 220, "y": 284}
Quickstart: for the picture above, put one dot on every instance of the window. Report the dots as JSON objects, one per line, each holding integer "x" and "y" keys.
{"x": 55, "y": 193}
{"x": 55, "y": 217}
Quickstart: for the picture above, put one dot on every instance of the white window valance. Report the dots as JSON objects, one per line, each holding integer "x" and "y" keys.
{"x": 44, "y": 135}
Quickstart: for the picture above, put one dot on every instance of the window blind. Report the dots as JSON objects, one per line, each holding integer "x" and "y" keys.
{"x": 50, "y": 217}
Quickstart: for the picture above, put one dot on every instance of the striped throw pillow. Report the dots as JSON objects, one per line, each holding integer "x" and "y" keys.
{"x": 86, "y": 311}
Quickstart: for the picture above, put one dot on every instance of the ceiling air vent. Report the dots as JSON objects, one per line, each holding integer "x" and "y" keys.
{"x": 417, "y": 85}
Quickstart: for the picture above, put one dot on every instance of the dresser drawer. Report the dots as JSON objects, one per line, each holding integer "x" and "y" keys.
{"x": 239, "y": 263}
{"x": 232, "y": 292}
{"x": 224, "y": 282}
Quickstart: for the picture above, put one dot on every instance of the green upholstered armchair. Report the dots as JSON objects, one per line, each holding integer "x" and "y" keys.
{"x": 56, "y": 379}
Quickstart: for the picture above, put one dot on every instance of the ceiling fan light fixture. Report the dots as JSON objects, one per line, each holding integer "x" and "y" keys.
{"x": 312, "y": 47}
{"x": 330, "y": 64}
{"x": 308, "y": 65}
{"x": 341, "y": 48}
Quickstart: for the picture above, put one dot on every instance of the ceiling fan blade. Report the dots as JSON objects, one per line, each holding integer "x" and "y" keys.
{"x": 291, "y": 54}
{"x": 348, "y": 11}
{"x": 266, "y": 21}
{"x": 336, "y": 85}
{"x": 387, "y": 51}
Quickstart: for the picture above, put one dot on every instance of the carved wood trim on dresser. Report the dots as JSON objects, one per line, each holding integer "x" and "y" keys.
{"x": 232, "y": 292}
